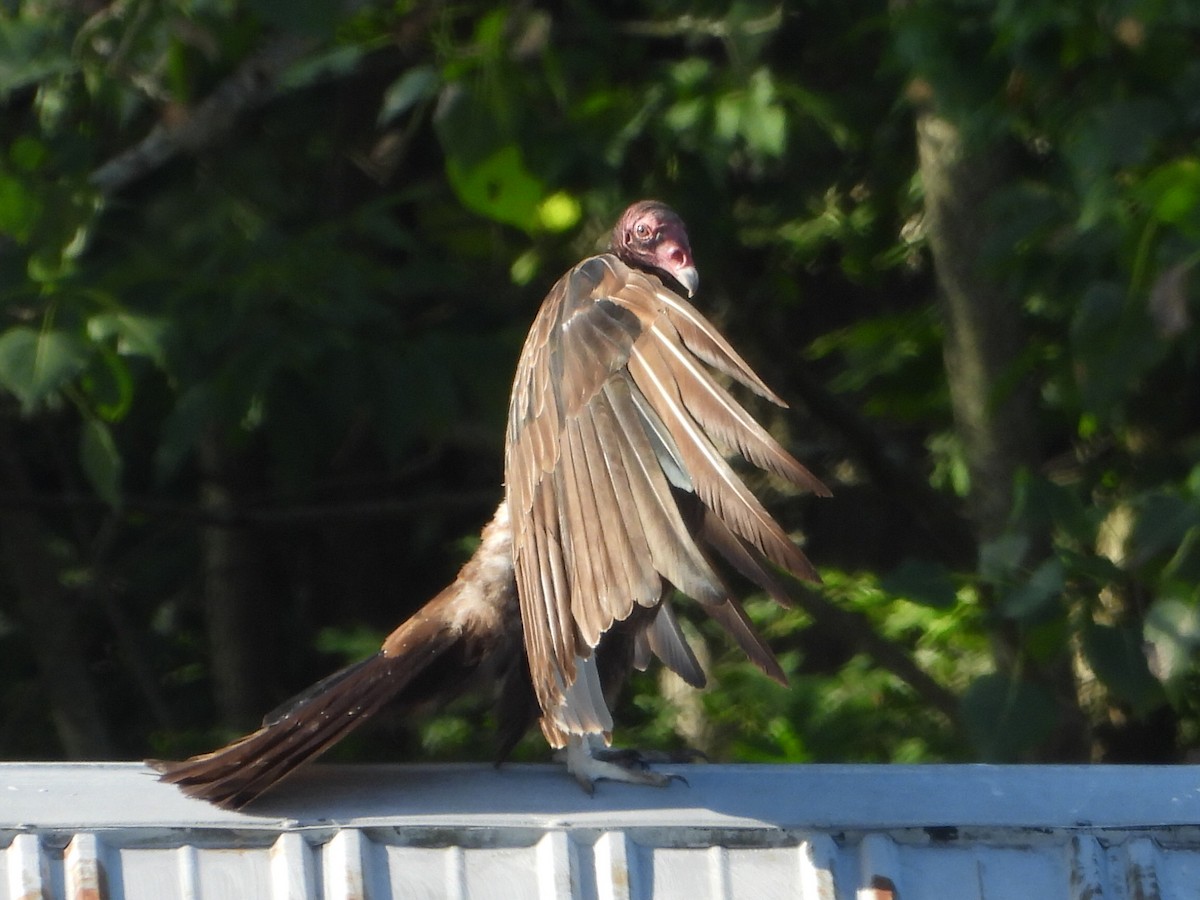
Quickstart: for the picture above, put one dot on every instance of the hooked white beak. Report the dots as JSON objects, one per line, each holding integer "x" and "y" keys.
{"x": 689, "y": 278}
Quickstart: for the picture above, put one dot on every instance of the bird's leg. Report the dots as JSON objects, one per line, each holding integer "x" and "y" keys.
{"x": 590, "y": 761}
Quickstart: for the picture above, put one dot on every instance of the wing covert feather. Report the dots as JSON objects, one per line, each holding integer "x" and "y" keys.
{"x": 611, "y": 414}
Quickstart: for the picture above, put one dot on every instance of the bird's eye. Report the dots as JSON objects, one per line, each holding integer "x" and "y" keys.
{"x": 641, "y": 230}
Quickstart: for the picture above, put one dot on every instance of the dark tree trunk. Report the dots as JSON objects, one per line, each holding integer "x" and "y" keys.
{"x": 983, "y": 334}
{"x": 49, "y": 616}
{"x": 984, "y": 338}
{"x": 234, "y": 594}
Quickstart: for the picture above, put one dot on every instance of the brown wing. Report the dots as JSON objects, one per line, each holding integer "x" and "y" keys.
{"x": 611, "y": 409}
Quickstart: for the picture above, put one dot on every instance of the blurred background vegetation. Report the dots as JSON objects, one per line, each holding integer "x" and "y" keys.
{"x": 265, "y": 268}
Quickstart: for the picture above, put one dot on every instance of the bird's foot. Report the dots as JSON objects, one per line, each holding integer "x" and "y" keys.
{"x": 589, "y": 761}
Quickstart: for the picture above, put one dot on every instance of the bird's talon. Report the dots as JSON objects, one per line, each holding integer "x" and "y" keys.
{"x": 589, "y": 763}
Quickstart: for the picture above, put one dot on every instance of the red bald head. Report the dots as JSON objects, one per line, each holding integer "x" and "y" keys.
{"x": 649, "y": 235}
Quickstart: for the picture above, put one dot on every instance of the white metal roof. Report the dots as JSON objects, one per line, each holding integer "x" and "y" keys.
{"x": 110, "y": 830}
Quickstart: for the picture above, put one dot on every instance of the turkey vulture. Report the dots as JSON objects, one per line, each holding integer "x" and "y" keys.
{"x": 617, "y": 491}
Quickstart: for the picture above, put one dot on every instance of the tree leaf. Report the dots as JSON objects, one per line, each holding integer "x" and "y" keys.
{"x": 1044, "y": 586}
{"x": 193, "y": 412}
{"x": 1184, "y": 566}
{"x": 1001, "y": 557}
{"x": 1114, "y": 345}
{"x": 20, "y": 208}
{"x": 136, "y": 335}
{"x": 1172, "y": 191}
{"x": 499, "y": 188}
{"x": 417, "y": 84}
{"x": 1116, "y": 656}
{"x": 923, "y": 582}
{"x": 1163, "y": 522}
{"x": 1168, "y": 301}
{"x": 322, "y": 65}
{"x": 1041, "y": 505}
{"x": 559, "y": 212}
{"x": 1007, "y": 718}
{"x": 1172, "y": 637}
{"x": 36, "y": 364}
{"x": 30, "y": 51}
{"x": 313, "y": 18}
{"x": 109, "y": 387}
{"x": 101, "y": 460}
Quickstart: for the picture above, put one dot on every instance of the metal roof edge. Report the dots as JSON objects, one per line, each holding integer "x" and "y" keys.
{"x": 827, "y": 797}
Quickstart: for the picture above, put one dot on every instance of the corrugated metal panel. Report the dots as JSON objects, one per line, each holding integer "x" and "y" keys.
{"x": 101, "y": 831}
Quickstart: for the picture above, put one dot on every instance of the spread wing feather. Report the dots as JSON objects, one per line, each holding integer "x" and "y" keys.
{"x": 723, "y": 418}
{"x": 665, "y": 639}
{"x": 611, "y": 415}
{"x": 699, "y": 336}
{"x": 717, "y": 485}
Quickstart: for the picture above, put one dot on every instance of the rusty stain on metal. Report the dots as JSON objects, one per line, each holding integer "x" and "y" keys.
{"x": 85, "y": 876}
{"x": 612, "y": 859}
{"x": 1141, "y": 873}
{"x": 26, "y": 868}
{"x": 88, "y": 879}
{"x": 1086, "y": 858}
{"x": 344, "y": 855}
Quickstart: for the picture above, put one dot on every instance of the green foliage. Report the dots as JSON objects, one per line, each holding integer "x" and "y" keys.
{"x": 1005, "y": 718}
{"x": 36, "y": 365}
{"x": 301, "y": 322}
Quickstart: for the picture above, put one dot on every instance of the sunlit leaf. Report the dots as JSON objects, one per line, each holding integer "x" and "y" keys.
{"x": 109, "y": 386}
{"x": 750, "y": 114}
{"x": 1172, "y": 635}
{"x": 525, "y": 267}
{"x": 350, "y": 643}
{"x": 1172, "y": 191}
{"x": 27, "y": 153}
{"x": 19, "y": 208}
{"x": 559, "y": 212}
{"x": 499, "y": 188}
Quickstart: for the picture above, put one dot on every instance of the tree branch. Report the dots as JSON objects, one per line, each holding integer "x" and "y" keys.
{"x": 239, "y": 516}
{"x": 253, "y": 84}
{"x": 857, "y": 631}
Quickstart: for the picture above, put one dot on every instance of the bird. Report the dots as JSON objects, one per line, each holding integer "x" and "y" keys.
{"x": 618, "y": 497}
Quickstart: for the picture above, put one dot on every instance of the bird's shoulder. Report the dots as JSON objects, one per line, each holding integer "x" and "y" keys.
{"x": 606, "y": 281}
{"x": 583, "y": 334}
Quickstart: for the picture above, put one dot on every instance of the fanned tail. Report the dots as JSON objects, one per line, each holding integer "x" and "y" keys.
{"x": 237, "y": 773}
{"x": 469, "y": 633}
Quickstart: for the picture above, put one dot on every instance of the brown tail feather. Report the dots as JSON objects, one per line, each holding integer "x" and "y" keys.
{"x": 470, "y": 629}
{"x": 236, "y": 774}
